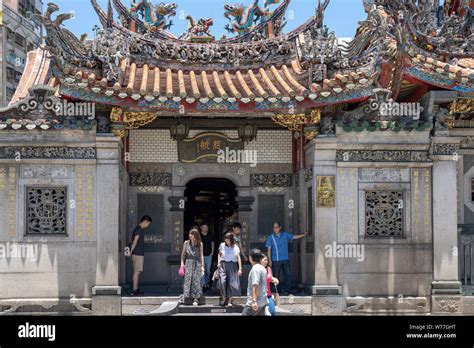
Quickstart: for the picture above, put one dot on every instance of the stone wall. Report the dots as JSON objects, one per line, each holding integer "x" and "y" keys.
{"x": 399, "y": 265}
{"x": 376, "y": 240}
{"x": 70, "y": 180}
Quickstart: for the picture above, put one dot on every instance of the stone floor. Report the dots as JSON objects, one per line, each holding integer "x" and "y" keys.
{"x": 164, "y": 290}
{"x": 296, "y": 305}
{"x": 131, "y": 306}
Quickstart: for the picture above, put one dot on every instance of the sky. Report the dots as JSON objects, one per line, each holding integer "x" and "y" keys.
{"x": 341, "y": 16}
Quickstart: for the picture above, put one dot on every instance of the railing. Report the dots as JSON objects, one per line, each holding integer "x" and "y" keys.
{"x": 24, "y": 21}
{"x": 466, "y": 254}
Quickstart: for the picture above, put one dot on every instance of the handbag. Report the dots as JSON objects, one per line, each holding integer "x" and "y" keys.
{"x": 215, "y": 280}
{"x": 181, "y": 271}
{"x": 277, "y": 298}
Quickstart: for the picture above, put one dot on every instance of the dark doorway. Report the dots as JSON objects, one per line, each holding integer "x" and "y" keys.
{"x": 211, "y": 201}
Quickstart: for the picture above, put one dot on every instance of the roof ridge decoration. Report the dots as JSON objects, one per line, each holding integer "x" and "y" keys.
{"x": 155, "y": 25}
{"x": 61, "y": 42}
{"x": 41, "y": 110}
{"x": 444, "y": 30}
{"x": 198, "y": 31}
{"x": 265, "y": 23}
{"x": 242, "y": 18}
{"x": 155, "y": 17}
{"x": 236, "y": 55}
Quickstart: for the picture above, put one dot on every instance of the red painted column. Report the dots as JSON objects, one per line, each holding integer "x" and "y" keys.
{"x": 294, "y": 153}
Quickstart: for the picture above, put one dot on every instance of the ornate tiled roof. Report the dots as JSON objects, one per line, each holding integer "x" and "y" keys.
{"x": 137, "y": 64}
{"x": 285, "y": 83}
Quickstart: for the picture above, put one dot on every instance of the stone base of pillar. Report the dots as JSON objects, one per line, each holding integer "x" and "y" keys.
{"x": 446, "y": 298}
{"x": 107, "y": 300}
{"x": 327, "y": 300}
{"x": 446, "y": 287}
{"x": 446, "y": 305}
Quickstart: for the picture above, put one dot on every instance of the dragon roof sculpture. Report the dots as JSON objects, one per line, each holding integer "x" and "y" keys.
{"x": 145, "y": 18}
{"x": 155, "y": 17}
{"x": 243, "y": 17}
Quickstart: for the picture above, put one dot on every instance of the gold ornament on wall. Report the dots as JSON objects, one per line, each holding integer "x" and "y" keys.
{"x": 116, "y": 114}
{"x": 132, "y": 120}
{"x": 314, "y": 121}
{"x": 461, "y": 106}
{"x": 291, "y": 121}
{"x": 310, "y": 134}
{"x": 315, "y": 117}
{"x": 326, "y": 191}
{"x": 120, "y": 133}
{"x": 294, "y": 122}
{"x": 450, "y": 121}
{"x": 135, "y": 120}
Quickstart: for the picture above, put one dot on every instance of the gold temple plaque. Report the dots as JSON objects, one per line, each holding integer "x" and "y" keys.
{"x": 326, "y": 191}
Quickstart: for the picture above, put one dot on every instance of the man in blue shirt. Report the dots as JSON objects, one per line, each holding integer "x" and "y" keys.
{"x": 277, "y": 244}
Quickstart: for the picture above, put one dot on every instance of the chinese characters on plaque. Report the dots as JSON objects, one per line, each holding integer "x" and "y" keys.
{"x": 205, "y": 147}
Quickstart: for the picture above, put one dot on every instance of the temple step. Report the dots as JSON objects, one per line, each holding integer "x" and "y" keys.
{"x": 209, "y": 309}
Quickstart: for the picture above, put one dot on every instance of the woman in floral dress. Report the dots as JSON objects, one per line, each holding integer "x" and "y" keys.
{"x": 192, "y": 258}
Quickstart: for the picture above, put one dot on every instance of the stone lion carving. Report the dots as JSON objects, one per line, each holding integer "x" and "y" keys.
{"x": 440, "y": 119}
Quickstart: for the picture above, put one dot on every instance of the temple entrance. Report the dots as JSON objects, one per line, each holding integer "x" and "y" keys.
{"x": 211, "y": 201}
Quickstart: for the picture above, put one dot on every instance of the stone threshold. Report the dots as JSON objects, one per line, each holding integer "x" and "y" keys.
{"x": 46, "y": 306}
{"x": 157, "y": 300}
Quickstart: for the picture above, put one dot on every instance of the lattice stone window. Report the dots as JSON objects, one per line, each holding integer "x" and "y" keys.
{"x": 384, "y": 214}
{"x": 46, "y": 210}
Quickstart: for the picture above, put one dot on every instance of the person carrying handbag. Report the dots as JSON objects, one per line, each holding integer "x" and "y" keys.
{"x": 229, "y": 266}
{"x": 192, "y": 260}
{"x": 270, "y": 279}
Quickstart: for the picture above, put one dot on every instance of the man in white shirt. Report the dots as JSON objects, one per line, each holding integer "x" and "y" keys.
{"x": 257, "y": 286}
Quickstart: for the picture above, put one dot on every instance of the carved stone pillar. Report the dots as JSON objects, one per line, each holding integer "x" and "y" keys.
{"x": 446, "y": 287}
{"x": 177, "y": 202}
{"x": 244, "y": 206}
{"x": 327, "y": 294}
{"x": 106, "y": 293}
